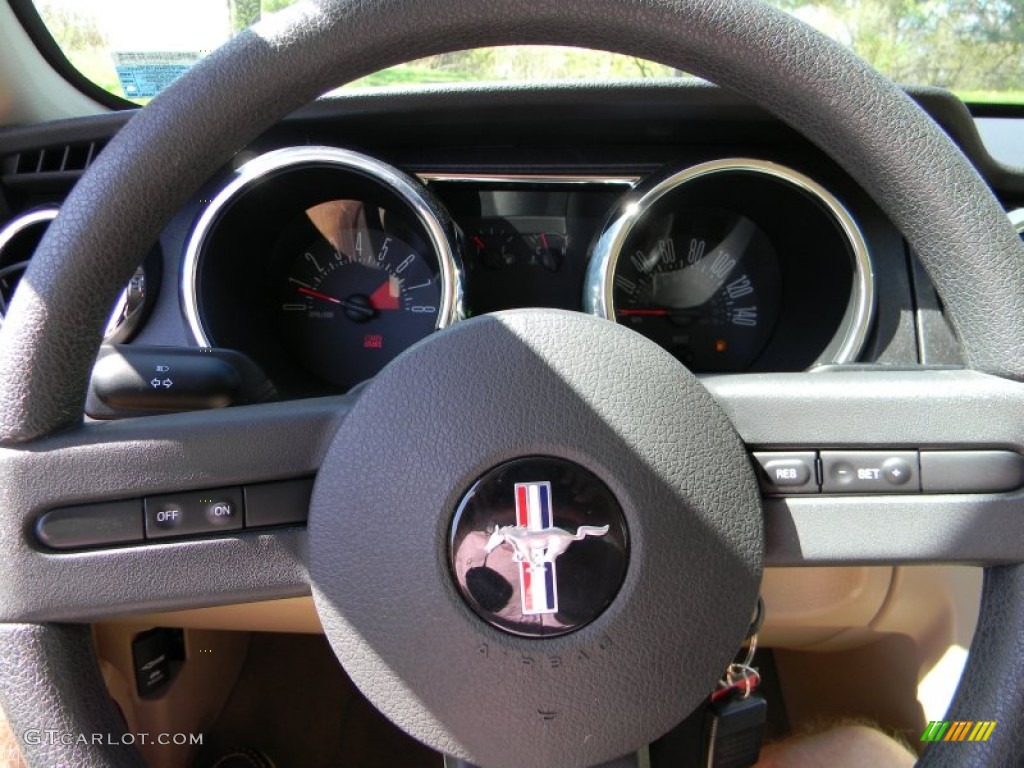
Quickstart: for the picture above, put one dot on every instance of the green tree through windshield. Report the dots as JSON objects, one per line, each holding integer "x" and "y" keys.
{"x": 973, "y": 47}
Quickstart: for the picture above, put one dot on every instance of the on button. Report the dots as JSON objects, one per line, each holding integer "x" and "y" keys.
{"x": 220, "y": 512}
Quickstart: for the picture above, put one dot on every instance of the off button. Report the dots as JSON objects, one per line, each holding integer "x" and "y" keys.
{"x": 168, "y": 516}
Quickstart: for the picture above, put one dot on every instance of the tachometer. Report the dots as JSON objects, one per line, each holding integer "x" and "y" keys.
{"x": 368, "y": 292}
{"x": 322, "y": 265}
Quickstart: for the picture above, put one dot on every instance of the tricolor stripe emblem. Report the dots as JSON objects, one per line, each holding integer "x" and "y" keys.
{"x": 536, "y": 580}
{"x": 959, "y": 730}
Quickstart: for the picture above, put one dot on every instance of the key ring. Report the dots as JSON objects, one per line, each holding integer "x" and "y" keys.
{"x": 751, "y": 650}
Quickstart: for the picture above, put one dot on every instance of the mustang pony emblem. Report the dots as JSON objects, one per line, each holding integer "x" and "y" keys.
{"x": 536, "y": 544}
{"x": 539, "y": 547}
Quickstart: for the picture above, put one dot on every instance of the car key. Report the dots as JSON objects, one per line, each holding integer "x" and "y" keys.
{"x": 735, "y": 730}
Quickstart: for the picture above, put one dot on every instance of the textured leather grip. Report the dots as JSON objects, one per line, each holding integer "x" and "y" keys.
{"x": 990, "y": 688}
{"x": 56, "y": 701}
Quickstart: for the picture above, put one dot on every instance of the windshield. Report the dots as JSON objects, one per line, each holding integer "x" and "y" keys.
{"x": 135, "y": 48}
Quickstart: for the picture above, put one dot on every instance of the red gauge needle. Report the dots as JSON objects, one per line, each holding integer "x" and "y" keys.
{"x": 544, "y": 241}
{"x": 479, "y": 242}
{"x": 322, "y": 296}
{"x": 643, "y": 312}
{"x": 356, "y": 310}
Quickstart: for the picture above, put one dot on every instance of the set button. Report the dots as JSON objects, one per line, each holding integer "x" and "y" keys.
{"x": 870, "y": 472}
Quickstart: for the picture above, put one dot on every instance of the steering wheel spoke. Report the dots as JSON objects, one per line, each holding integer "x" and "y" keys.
{"x": 136, "y": 459}
{"x": 907, "y": 412}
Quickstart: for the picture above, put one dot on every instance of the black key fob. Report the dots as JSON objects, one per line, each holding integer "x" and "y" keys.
{"x": 735, "y": 730}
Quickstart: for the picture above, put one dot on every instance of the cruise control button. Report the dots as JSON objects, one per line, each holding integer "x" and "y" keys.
{"x": 168, "y": 516}
{"x": 897, "y": 471}
{"x": 790, "y": 472}
{"x": 971, "y": 471}
{"x": 193, "y": 513}
{"x": 840, "y": 473}
{"x": 221, "y": 512}
{"x": 870, "y": 472}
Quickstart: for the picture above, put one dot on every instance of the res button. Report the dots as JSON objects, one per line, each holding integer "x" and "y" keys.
{"x": 785, "y": 473}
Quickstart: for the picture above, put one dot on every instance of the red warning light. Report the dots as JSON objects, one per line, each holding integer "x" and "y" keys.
{"x": 373, "y": 341}
{"x": 721, "y": 346}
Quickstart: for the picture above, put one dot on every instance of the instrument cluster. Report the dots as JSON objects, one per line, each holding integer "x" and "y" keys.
{"x": 323, "y": 264}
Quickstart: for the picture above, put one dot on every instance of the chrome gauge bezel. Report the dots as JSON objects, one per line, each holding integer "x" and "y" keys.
{"x": 21, "y": 222}
{"x": 128, "y": 309}
{"x": 851, "y": 335}
{"x": 1017, "y": 219}
{"x": 440, "y": 233}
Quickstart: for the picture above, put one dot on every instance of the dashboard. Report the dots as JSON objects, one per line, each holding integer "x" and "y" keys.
{"x": 336, "y": 242}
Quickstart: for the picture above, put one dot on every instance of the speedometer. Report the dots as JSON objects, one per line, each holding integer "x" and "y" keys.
{"x": 704, "y": 284}
{"x": 735, "y": 265}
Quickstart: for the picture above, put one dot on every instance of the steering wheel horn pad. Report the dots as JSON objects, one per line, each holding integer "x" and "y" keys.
{"x": 496, "y": 388}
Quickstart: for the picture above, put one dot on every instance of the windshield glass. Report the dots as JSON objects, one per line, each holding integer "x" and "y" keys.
{"x": 135, "y": 48}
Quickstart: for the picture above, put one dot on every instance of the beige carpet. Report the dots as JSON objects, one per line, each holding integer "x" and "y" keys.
{"x": 10, "y": 754}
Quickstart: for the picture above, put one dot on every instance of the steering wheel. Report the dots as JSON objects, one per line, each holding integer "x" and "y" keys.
{"x": 673, "y": 454}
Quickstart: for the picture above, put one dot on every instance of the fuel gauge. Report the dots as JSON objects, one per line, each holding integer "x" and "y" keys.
{"x": 546, "y": 249}
{"x": 497, "y": 245}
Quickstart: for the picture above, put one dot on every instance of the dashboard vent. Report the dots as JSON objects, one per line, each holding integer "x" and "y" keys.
{"x": 62, "y": 158}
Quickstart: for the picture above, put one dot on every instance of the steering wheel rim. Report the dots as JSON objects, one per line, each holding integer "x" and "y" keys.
{"x": 910, "y": 167}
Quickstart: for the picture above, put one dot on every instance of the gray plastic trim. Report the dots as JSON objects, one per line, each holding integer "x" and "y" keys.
{"x": 834, "y": 408}
{"x": 971, "y": 471}
{"x": 147, "y": 456}
{"x": 869, "y": 407}
{"x": 852, "y": 333}
{"x": 281, "y": 160}
{"x": 863, "y": 409}
{"x": 980, "y": 529}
